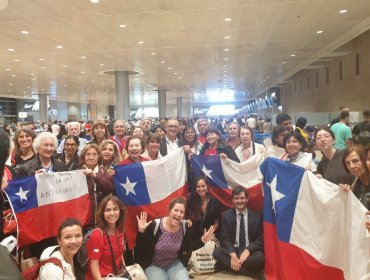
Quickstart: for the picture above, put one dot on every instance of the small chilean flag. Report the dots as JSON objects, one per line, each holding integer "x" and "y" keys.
{"x": 312, "y": 229}
{"x": 223, "y": 175}
{"x": 150, "y": 186}
{"x": 42, "y": 201}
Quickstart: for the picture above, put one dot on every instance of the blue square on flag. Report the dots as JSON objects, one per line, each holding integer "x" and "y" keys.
{"x": 281, "y": 186}
{"x": 211, "y": 168}
{"x": 22, "y": 193}
{"x": 130, "y": 184}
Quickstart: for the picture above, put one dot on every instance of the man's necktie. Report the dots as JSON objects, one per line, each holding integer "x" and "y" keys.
{"x": 242, "y": 242}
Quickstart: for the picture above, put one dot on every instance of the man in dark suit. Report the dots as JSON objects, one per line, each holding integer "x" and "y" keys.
{"x": 241, "y": 238}
{"x": 171, "y": 142}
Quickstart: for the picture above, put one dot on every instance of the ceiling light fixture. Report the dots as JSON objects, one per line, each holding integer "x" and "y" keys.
{"x": 227, "y": 37}
{"x": 228, "y": 19}
{"x": 101, "y": 64}
{"x": 163, "y": 62}
{"x": 16, "y": 60}
{"x": 42, "y": 59}
{"x": 319, "y": 31}
{"x": 94, "y": 1}
{"x": 292, "y": 55}
{"x": 59, "y": 47}
{"x": 24, "y": 32}
{"x": 122, "y": 25}
{"x": 11, "y": 50}
{"x": 140, "y": 42}
{"x": 8, "y": 69}
{"x": 169, "y": 68}
{"x": 226, "y": 50}
{"x": 83, "y": 57}
{"x": 343, "y": 11}
{"x": 284, "y": 62}
{"x": 13, "y": 75}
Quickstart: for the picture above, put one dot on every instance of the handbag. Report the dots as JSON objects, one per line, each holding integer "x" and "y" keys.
{"x": 132, "y": 272}
{"x": 202, "y": 260}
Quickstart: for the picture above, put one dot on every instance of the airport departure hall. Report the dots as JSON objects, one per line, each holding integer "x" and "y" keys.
{"x": 115, "y": 59}
{"x": 185, "y": 139}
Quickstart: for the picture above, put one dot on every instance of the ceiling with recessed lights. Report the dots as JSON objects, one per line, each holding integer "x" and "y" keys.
{"x": 188, "y": 47}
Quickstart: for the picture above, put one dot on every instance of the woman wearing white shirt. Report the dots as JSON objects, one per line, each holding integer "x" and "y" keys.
{"x": 70, "y": 240}
{"x": 247, "y": 148}
{"x": 294, "y": 145}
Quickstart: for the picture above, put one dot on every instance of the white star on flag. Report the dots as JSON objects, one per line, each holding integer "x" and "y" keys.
{"x": 276, "y": 195}
{"x": 207, "y": 172}
{"x": 22, "y": 194}
{"x": 129, "y": 187}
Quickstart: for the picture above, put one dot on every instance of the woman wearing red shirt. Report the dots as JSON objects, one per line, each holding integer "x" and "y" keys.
{"x": 110, "y": 224}
{"x": 134, "y": 147}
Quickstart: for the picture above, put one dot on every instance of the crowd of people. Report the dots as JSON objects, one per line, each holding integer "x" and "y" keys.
{"x": 163, "y": 245}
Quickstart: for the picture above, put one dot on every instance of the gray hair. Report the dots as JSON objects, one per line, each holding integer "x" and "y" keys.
{"x": 41, "y": 138}
{"x": 73, "y": 124}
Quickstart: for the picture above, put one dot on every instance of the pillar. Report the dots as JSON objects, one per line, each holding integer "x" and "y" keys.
{"x": 43, "y": 107}
{"x": 92, "y": 111}
{"x": 122, "y": 95}
{"x": 179, "y": 106}
{"x": 162, "y": 103}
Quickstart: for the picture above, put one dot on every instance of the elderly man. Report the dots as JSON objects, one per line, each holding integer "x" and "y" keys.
{"x": 170, "y": 142}
{"x": 119, "y": 137}
{"x": 73, "y": 128}
{"x": 241, "y": 238}
{"x": 146, "y": 125}
{"x": 202, "y": 125}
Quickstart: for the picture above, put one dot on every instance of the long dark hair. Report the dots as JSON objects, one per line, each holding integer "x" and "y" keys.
{"x": 4, "y": 148}
{"x": 195, "y": 207}
{"x": 101, "y": 222}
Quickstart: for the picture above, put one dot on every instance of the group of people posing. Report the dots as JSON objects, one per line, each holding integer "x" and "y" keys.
{"x": 163, "y": 246}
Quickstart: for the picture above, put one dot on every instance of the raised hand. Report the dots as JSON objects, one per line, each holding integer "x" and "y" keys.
{"x": 141, "y": 222}
{"x": 208, "y": 234}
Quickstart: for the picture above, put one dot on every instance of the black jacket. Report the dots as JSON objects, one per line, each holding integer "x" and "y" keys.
{"x": 31, "y": 166}
{"x": 228, "y": 230}
{"x": 222, "y": 149}
{"x": 163, "y": 145}
{"x": 146, "y": 241}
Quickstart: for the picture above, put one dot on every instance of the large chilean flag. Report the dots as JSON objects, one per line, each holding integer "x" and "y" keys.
{"x": 224, "y": 174}
{"x": 312, "y": 229}
{"x": 42, "y": 201}
{"x": 150, "y": 186}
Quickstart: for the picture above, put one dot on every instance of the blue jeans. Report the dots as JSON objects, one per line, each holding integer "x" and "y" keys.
{"x": 176, "y": 271}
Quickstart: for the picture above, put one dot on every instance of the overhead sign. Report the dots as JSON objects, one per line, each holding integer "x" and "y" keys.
{"x": 22, "y": 115}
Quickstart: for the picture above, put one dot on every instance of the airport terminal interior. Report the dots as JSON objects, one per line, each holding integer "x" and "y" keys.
{"x": 212, "y": 61}
{"x": 108, "y": 59}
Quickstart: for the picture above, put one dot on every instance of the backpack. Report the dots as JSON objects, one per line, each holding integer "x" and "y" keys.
{"x": 33, "y": 272}
{"x": 82, "y": 257}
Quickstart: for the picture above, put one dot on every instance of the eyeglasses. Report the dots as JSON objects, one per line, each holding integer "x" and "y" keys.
{"x": 70, "y": 145}
{"x": 173, "y": 126}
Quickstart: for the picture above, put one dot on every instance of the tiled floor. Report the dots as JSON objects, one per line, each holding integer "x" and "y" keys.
{"x": 221, "y": 275}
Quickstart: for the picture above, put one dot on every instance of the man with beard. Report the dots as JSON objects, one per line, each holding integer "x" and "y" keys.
{"x": 241, "y": 238}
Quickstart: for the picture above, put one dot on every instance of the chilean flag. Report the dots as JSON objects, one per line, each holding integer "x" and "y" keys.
{"x": 150, "y": 186}
{"x": 222, "y": 175}
{"x": 42, "y": 201}
{"x": 312, "y": 229}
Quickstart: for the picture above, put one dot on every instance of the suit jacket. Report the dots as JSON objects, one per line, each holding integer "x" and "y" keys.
{"x": 228, "y": 230}
{"x": 163, "y": 145}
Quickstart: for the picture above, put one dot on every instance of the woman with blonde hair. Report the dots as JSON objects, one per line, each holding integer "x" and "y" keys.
{"x": 111, "y": 155}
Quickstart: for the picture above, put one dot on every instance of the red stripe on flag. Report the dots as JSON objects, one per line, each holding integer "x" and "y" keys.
{"x": 286, "y": 261}
{"x": 43, "y": 222}
{"x": 155, "y": 210}
{"x": 255, "y": 198}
